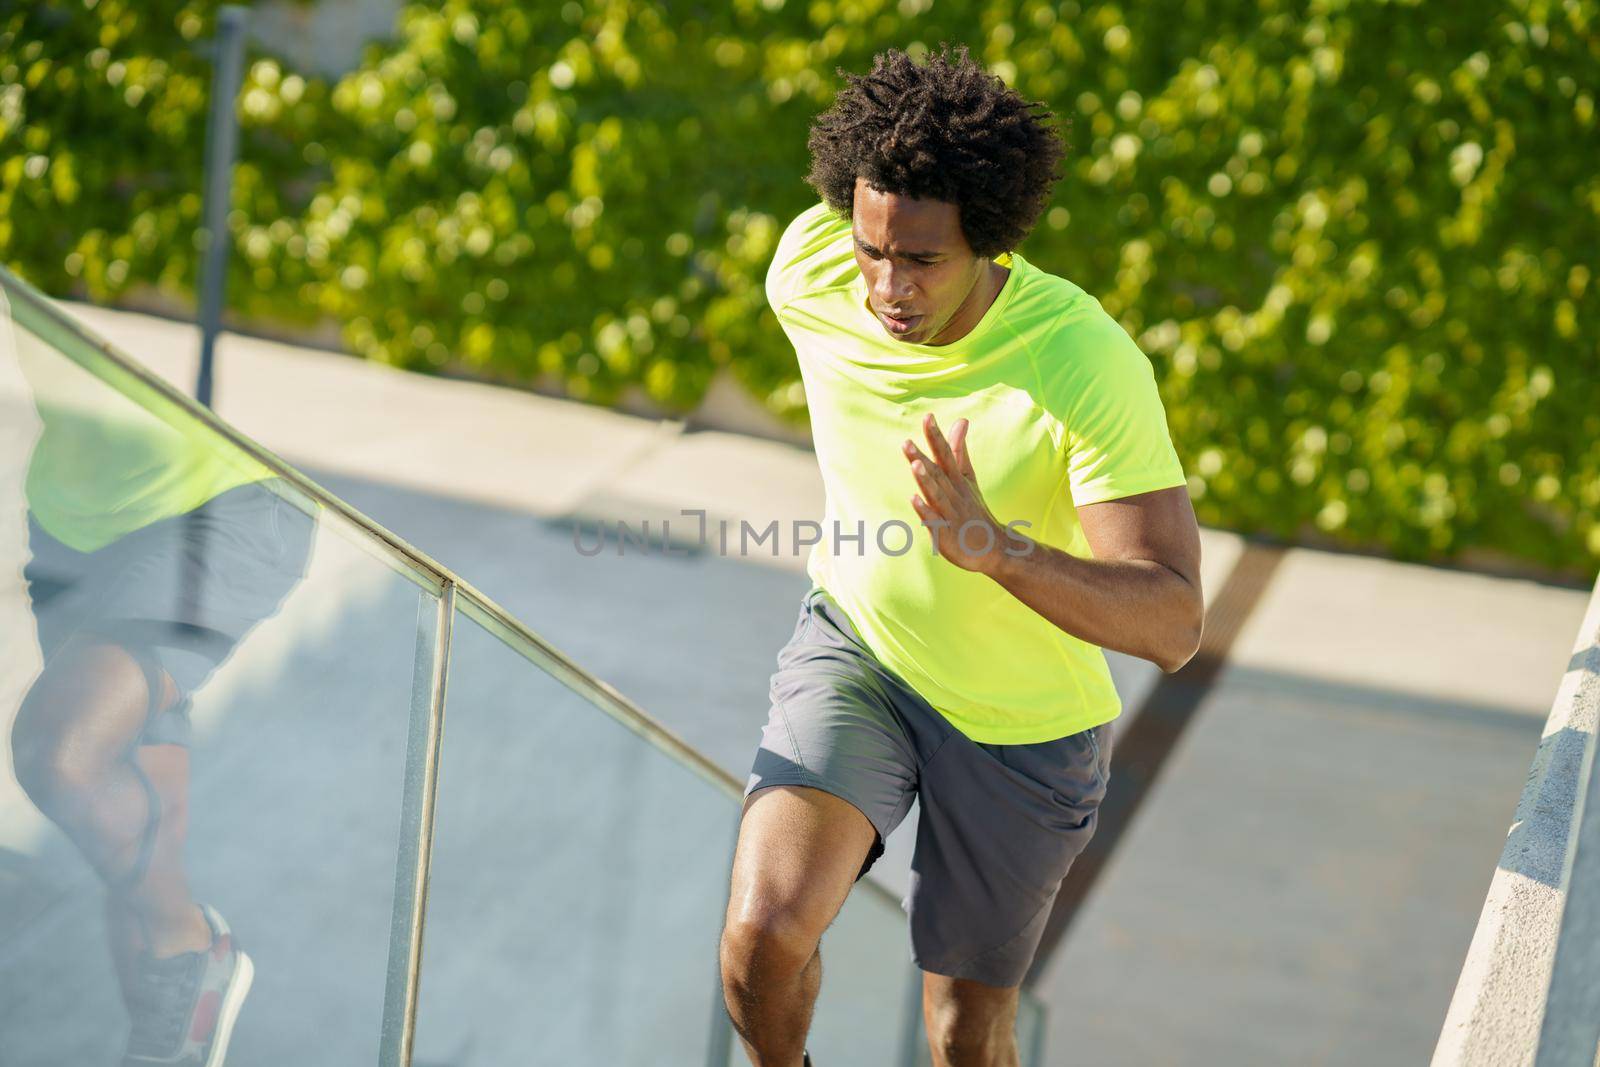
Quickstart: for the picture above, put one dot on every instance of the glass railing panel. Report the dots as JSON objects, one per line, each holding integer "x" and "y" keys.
{"x": 1031, "y": 1031}
{"x": 578, "y": 878}
{"x": 185, "y": 633}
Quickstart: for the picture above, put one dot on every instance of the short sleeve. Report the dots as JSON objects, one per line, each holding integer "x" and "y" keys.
{"x": 814, "y": 252}
{"x": 1114, "y": 427}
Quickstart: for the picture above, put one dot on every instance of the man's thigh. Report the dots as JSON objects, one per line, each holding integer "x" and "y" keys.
{"x": 798, "y": 853}
{"x": 833, "y": 727}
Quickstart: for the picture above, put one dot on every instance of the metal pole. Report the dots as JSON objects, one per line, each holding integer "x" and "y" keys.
{"x": 913, "y": 1043}
{"x": 430, "y": 675}
{"x": 719, "y": 1044}
{"x": 222, "y": 137}
{"x": 1035, "y": 1050}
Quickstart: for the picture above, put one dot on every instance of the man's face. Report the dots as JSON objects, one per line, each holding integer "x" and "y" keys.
{"x": 919, "y": 269}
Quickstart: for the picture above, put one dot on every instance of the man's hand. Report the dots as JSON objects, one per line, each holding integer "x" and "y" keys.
{"x": 1139, "y": 591}
{"x": 951, "y": 505}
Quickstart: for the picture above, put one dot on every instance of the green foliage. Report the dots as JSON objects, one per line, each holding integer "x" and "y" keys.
{"x": 102, "y": 122}
{"x": 527, "y": 200}
{"x": 1356, "y": 240}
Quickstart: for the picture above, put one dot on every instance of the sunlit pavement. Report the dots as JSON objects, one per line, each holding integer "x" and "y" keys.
{"x": 1300, "y": 885}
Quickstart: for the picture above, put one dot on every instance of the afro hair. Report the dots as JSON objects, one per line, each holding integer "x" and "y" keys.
{"x": 947, "y": 130}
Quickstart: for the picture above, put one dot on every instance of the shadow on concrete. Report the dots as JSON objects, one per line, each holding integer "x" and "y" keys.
{"x": 1373, "y": 700}
{"x": 1531, "y": 850}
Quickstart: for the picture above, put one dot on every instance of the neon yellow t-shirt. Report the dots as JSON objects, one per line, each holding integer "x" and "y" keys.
{"x": 114, "y": 458}
{"x": 1063, "y": 412}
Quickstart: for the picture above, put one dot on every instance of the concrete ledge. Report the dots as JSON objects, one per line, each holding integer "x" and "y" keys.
{"x": 1495, "y": 1015}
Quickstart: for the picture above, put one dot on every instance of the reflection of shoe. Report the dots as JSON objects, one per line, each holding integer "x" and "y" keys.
{"x": 183, "y": 1008}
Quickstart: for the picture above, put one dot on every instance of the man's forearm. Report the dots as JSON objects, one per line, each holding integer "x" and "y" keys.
{"x": 1134, "y": 606}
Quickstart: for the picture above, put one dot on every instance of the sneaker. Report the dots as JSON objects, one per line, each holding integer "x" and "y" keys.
{"x": 183, "y": 1008}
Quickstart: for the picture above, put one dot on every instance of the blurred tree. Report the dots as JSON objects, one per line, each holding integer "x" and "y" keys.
{"x": 102, "y": 131}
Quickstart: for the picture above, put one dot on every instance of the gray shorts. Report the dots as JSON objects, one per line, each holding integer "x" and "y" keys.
{"x": 1000, "y": 824}
{"x": 177, "y": 595}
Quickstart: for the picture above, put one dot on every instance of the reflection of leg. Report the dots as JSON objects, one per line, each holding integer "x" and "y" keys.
{"x": 166, "y": 916}
{"x": 74, "y": 747}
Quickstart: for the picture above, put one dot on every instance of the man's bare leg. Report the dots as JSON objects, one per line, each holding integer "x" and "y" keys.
{"x": 162, "y": 899}
{"x": 969, "y": 1024}
{"x": 77, "y": 756}
{"x": 798, "y": 855}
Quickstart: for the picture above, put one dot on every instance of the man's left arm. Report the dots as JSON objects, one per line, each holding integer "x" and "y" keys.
{"x": 1139, "y": 594}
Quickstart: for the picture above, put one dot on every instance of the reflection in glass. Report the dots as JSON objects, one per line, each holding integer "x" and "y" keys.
{"x": 129, "y": 630}
{"x": 180, "y": 769}
{"x": 150, "y": 557}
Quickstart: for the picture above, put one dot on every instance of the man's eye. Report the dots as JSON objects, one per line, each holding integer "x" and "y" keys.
{"x": 873, "y": 253}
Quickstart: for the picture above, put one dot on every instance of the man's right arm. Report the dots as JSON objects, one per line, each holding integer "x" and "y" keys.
{"x": 815, "y": 252}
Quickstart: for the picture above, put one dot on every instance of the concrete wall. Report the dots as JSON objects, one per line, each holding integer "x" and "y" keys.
{"x": 1498, "y": 1007}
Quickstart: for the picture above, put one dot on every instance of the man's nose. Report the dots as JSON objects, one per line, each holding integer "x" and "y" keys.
{"x": 892, "y": 286}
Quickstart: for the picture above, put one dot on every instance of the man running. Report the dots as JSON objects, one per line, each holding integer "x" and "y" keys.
{"x": 964, "y": 668}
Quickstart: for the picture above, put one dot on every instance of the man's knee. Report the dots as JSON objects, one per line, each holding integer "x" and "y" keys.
{"x": 969, "y": 1026}
{"x": 766, "y": 943}
{"x": 971, "y": 1046}
{"x": 83, "y": 714}
{"x": 46, "y": 768}
{"x": 798, "y": 852}
{"x": 37, "y": 770}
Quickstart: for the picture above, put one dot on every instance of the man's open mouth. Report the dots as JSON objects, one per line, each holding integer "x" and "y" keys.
{"x": 899, "y": 325}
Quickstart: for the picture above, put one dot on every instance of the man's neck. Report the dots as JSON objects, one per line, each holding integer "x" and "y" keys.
{"x": 976, "y": 306}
